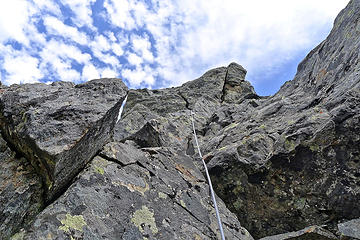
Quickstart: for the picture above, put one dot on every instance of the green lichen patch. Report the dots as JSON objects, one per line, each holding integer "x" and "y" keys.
{"x": 144, "y": 217}
{"x": 289, "y": 144}
{"x": 74, "y": 222}
{"x": 99, "y": 170}
{"x": 315, "y": 148}
{"x": 18, "y": 236}
{"x": 99, "y": 164}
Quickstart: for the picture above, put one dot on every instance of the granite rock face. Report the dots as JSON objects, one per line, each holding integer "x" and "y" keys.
{"x": 128, "y": 193}
{"x": 279, "y": 164}
{"x": 292, "y": 160}
{"x": 54, "y": 125}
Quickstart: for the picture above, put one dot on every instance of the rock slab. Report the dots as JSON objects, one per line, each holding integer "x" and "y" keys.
{"x": 128, "y": 193}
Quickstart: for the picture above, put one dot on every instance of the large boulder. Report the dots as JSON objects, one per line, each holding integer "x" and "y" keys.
{"x": 60, "y": 127}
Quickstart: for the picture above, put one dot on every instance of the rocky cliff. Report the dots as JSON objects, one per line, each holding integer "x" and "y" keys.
{"x": 283, "y": 167}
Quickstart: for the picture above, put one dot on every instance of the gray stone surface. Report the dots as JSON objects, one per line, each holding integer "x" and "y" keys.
{"x": 279, "y": 163}
{"x": 350, "y": 229}
{"x": 309, "y": 233}
{"x": 60, "y": 127}
{"x": 160, "y": 194}
{"x": 291, "y": 160}
{"x": 20, "y": 192}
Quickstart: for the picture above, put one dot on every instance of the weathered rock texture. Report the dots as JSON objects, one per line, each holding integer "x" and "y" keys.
{"x": 280, "y": 164}
{"x": 350, "y": 229}
{"x": 55, "y": 125}
{"x": 293, "y": 160}
{"x": 20, "y": 191}
{"x": 309, "y": 233}
{"x": 127, "y": 193}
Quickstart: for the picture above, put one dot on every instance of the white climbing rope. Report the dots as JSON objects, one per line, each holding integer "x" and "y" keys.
{"x": 209, "y": 180}
{"x": 121, "y": 109}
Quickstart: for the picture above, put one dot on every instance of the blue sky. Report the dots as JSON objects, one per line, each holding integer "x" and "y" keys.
{"x": 159, "y": 43}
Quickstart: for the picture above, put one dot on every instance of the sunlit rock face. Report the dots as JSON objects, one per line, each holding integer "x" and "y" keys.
{"x": 283, "y": 167}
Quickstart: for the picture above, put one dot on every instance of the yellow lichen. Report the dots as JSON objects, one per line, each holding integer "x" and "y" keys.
{"x": 162, "y": 195}
{"x": 99, "y": 170}
{"x": 75, "y": 222}
{"x": 222, "y": 148}
{"x": 144, "y": 217}
{"x": 182, "y": 203}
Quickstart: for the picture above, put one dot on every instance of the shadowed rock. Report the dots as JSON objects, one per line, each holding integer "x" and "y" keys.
{"x": 21, "y": 192}
{"x": 291, "y": 160}
{"x": 60, "y": 127}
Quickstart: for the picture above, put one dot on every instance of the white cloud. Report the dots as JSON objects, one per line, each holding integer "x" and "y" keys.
{"x": 117, "y": 49}
{"x": 108, "y": 73}
{"x": 56, "y": 27}
{"x": 187, "y": 37}
{"x": 29, "y": 65}
{"x": 82, "y": 11}
{"x": 142, "y": 45}
{"x": 89, "y": 72}
{"x": 134, "y": 59}
{"x": 102, "y": 49}
{"x": 59, "y": 57}
{"x": 14, "y": 16}
{"x": 101, "y": 43}
{"x": 139, "y": 76}
{"x": 119, "y": 13}
{"x": 48, "y": 5}
{"x": 191, "y": 37}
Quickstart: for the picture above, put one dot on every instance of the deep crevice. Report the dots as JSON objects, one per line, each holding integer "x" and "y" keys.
{"x": 223, "y": 91}
{"x": 187, "y": 103}
{"x": 188, "y": 211}
{"x": 66, "y": 186}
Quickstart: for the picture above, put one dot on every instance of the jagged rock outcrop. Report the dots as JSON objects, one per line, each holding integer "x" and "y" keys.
{"x": 293, "y": 160}
{"x": 287, "y": 166}
{"x": 142, "y": 184}
{"x": 54, "y": 125}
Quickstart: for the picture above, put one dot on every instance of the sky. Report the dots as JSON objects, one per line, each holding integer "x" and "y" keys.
{"x": 159, "y": 43}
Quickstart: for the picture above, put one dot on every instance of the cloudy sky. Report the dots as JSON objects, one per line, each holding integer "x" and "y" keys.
{"x": 159, "y": 43}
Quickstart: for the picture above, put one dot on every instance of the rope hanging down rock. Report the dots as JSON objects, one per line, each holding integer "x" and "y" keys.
{"x": 209, "y": 180}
